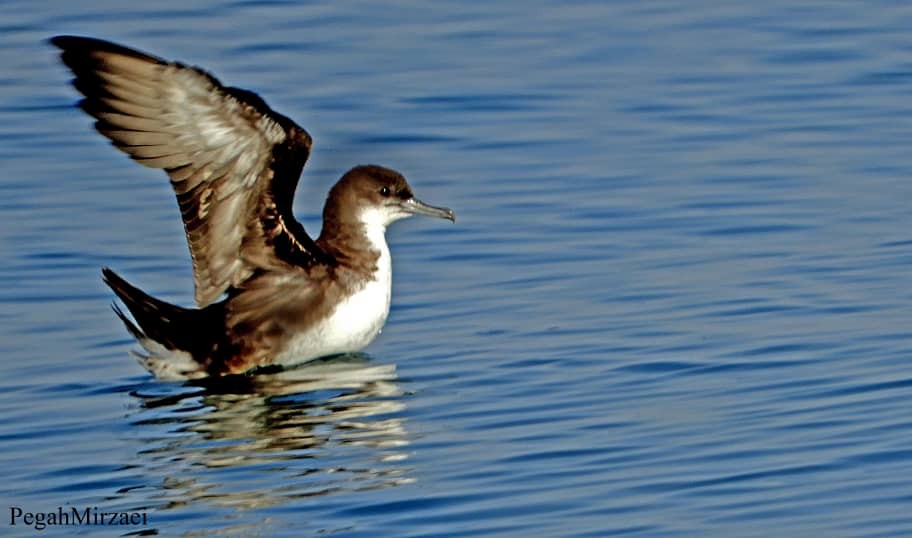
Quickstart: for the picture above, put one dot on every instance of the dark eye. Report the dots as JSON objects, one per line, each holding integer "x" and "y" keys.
{"x": 384, "y": 191}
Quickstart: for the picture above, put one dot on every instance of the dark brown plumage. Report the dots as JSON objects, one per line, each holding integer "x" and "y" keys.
{"x": 234, "y": 164}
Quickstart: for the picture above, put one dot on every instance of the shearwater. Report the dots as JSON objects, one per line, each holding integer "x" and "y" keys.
{"x": 266, "y": 293}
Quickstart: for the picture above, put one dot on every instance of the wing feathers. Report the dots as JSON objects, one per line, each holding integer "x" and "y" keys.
{"x": 218, "y": 146}
{"x": 136, "y": 138}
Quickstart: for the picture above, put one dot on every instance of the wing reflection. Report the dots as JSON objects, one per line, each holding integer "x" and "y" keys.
{"x": 249, "y": 442}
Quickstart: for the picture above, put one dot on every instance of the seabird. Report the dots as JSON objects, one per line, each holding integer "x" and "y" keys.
{"x": 266, "y": 293}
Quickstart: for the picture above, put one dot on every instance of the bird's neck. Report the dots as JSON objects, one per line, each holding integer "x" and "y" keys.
{"x": 358, "y": 244}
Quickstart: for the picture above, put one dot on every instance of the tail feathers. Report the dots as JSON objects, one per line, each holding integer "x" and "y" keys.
{"x": 175, "y": 339}
{"x": 135, "y": 331}
{"x": 154, "y": 318}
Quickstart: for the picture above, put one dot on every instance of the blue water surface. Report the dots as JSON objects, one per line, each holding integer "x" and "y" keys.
{"x": 676, "y": 301}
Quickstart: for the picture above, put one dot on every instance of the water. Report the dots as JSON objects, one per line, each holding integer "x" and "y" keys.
{"x": 675, "y": 303}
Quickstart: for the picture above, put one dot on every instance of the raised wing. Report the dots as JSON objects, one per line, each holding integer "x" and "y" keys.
{"x": 234, "y": 163}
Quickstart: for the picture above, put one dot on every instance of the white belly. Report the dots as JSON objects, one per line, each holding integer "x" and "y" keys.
{"x": 351, "y": 326}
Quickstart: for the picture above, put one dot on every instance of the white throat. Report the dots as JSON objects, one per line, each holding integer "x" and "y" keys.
{"x": 376, "y": 219}
{"x": 375, "y": 222}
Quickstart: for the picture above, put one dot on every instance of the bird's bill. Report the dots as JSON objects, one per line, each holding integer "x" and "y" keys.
{"x": 417, "y": 207}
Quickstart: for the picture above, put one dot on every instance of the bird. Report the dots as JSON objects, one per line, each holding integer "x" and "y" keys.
{"x": 266, "y": 293}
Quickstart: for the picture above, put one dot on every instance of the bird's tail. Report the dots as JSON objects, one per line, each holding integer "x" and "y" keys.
{"x": 176, "y": 340}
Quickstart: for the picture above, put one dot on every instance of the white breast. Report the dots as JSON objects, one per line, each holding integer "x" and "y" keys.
{"x": 354, "y": 323}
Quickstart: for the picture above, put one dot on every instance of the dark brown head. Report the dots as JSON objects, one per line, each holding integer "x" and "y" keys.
{"x": 376, "y": 197}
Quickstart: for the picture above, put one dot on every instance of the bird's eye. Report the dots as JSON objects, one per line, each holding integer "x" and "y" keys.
{"x": 384, "y": 191}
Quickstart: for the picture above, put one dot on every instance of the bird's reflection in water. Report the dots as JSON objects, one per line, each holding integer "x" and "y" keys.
{"x": 255, "y": 441}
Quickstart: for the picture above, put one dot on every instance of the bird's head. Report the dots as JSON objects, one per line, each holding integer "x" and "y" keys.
{"x": 376, "y": 197}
